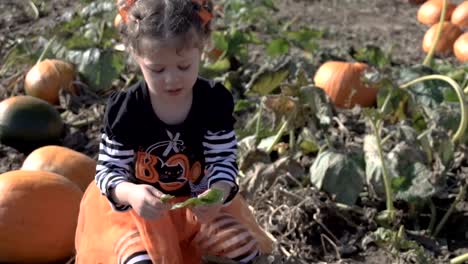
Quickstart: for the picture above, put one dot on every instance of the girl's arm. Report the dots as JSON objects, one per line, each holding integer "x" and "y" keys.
{"x": 113, "y": 167}
{"x": 220, "y": 149}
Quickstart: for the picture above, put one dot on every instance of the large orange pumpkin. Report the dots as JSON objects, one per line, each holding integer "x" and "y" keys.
{"x": 449, "y": 34}
{"x": 429, "y": 12}
{"x": 45, "y": 79}
{"x": 69, "y": 163}
{"x": 460, "y": 15}
{"x": 341, "y": 81}
{"x": 460, "y": 47}
{"x": 38, "y": 217}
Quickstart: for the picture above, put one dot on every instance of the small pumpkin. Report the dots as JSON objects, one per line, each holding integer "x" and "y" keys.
{"x": 449, "y": 34}
{"x": 460, "y": 47}
{"x": 429, "y": 12}
{"x": 45, "y": 79}
{"x": 38, "y": 217}
{"x": 460, "y": 15}
{"x": 28, "y": 122}
{"x": 67, "y": 162}
{"x": 342, "y": 82}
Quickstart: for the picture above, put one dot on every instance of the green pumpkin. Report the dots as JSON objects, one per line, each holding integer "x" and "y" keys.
{"x": 28, "y": 122}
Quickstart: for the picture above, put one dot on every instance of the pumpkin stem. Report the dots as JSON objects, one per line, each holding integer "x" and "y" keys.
{"x": 279, "y": 134}
{"x": 46, "y": 48}
{"x": 430, "y": 54}
{"x": 376, "y": 126}
{"x": 34, "y": 9}
{"x": 259, "y": 122}
{"x": 461, "y": 98}
{"x": 460, "y": 197}
{"x": 460, "y": 259}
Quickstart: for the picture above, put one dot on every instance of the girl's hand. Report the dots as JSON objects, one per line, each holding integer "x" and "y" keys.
{"x": 206, "y": 213}
{"x": 144, "y": 199}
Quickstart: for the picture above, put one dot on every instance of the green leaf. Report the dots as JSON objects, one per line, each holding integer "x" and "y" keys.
{"x": 305, "y": 38}
{"x": 99, "y": 68}
{"x": 242, "y": 105}
{"x": 268, "y": 78}
{"x": 213, "y": 196}
{"x": 219, "y": 40}
{"x": 316, "y": 104}
{"x": 307, "y": 141}
{"x": 211, "y": 70}
{"x": 418, "y": 187}
{"x": 373, "y": 55}
{"x": 441, "y": 145}
{"x": 339, "y": 174}
{"x": 445, "y": 115}
{"x": 429, "y": 93}
{"x": 277, "y": 47}
{"x": 408, "y": 162}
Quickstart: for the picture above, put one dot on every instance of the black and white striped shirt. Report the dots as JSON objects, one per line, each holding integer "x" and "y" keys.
{"x": 182, "y": 159}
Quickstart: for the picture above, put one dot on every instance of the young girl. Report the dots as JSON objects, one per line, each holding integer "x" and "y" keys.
{"x": 171, "y": 133}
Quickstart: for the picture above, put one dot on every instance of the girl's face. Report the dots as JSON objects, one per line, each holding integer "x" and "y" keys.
{"x": 170, "y": 75}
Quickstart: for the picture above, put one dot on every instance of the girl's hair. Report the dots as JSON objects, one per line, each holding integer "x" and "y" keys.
{"x": 186, "y": 23}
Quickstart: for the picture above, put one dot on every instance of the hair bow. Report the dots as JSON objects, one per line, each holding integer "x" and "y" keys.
{"x": 124, "y": 6}
{"x": 204, "y": 14}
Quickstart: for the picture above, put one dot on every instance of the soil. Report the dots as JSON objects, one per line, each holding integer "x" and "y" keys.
{"x": 390, "y": 24}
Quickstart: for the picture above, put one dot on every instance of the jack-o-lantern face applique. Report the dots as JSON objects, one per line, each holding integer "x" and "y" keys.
{"x": 166, "y": 164}
{"x": 173, "y": 173}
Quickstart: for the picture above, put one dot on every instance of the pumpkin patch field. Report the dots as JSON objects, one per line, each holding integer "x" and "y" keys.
{"x": 352, "y": 123}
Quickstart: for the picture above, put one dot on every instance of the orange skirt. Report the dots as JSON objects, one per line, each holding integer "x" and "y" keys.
{"x": 105, "y": 236}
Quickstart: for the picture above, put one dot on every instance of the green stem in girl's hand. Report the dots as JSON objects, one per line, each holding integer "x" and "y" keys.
{"x": 430, "y": 54}
{"x": 461, "y": 98}
{"x": 212, "y": 197}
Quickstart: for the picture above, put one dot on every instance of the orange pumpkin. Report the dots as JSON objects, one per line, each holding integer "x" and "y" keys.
{"x": 239, "y": 208}
{"x": 449, "y": 34}
{"x": 69, "y": 163}
{"x": 38, "y": 217}
{"x": 45, "y": 79}
{"x": 429, "y": 12}
{"x": 460, "y": 47}
{"x": 341, "y": 81}
{"x": 460, "y": 15}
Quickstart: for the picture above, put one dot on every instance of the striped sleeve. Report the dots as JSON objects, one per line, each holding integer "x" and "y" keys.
{"x": 220, "y": 150}
{"x": 113, "y": 167}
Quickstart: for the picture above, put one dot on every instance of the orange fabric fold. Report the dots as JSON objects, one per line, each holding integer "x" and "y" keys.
{"x": 104, "y": 236}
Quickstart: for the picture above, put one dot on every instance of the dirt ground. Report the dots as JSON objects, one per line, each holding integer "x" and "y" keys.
{"x": 390, "y": 24}
{"x": 348, "y": 24}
